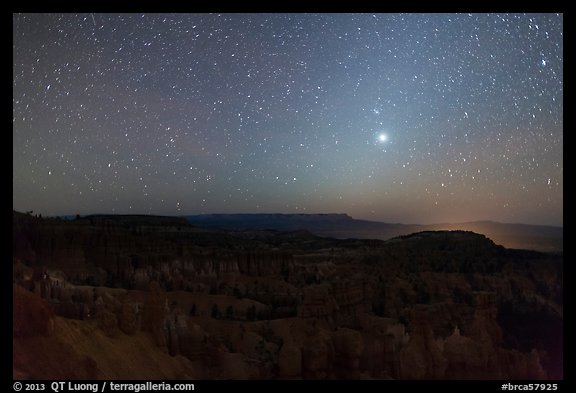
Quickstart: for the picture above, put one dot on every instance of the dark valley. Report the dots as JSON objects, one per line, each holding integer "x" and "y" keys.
{"x": 533, "y": 237}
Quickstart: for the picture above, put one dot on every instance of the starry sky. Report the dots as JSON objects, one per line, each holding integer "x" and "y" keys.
{"x": 410, "y": 118}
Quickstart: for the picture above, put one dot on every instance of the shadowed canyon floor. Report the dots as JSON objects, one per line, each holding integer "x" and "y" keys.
{"x": 146, "y": 297}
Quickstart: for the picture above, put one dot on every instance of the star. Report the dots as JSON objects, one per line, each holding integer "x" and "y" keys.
{"x": 198, "y": 105}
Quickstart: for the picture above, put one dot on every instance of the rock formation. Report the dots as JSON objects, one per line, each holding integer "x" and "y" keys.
{"x": 265, "y": 304}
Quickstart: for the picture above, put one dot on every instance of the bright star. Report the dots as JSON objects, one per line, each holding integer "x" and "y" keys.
{"x": 382, "y": 137}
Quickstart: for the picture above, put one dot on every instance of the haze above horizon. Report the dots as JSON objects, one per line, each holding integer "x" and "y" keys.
{"x": 398, "y": 118}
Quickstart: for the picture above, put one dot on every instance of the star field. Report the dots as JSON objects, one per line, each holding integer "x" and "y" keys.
{"x": 413, "y": 118}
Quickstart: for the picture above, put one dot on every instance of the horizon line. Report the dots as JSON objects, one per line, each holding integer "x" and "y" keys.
{"x": 31, "y": 212}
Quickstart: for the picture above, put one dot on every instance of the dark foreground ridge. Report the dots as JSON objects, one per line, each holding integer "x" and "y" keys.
{"x": 148, "y": 297}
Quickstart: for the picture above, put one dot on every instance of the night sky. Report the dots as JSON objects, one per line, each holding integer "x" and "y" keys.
{"x": 412, "y": 118}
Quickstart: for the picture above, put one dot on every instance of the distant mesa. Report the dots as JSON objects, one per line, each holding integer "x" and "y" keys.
{"x": 137, "y": 219}
{"x": 342, "y": 226}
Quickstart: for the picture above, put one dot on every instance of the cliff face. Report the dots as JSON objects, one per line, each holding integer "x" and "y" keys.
{"x": 268, "y": 305}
